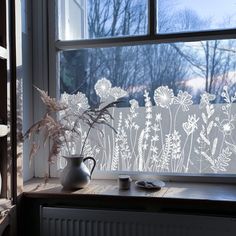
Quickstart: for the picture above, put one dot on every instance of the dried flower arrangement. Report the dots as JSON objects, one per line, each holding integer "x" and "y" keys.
{"x": 61, "y": 124}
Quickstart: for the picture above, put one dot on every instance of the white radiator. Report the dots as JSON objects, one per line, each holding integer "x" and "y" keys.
{"x": 86, "y": 222}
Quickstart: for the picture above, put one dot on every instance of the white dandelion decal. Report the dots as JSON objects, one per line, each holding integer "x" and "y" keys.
{"x": 78, "y": 101}
{"x": 75, "y": 104}
{"x": 103, "y": 88}
{"x": 184, "y": 99}
{"x": 82, "y": 101}
{"x": 163, "y": 96}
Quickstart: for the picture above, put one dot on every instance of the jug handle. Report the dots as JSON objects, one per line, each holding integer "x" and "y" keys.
{"x": 94, "y": 164}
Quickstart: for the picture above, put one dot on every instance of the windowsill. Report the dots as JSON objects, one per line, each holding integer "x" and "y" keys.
{"x": 173, "y": 190}
{"x": 5, "y": 208}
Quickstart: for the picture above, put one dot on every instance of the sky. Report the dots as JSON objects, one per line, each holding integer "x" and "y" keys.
{"x": 217, "y": 9}
{"x": 211, "y": 7}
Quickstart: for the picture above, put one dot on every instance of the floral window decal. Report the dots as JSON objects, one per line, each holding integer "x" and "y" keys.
{"x": 173, "y": 136}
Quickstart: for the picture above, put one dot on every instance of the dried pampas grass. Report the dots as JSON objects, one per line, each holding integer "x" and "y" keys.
{"x": 56, "y": 131}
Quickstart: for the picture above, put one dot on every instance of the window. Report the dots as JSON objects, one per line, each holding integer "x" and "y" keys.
{"x": 174, "y": 62}
{"x": 116, "y": 18}
{"x": 183, "y": 15}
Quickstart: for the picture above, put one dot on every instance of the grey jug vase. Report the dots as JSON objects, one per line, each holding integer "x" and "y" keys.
{"x": 76, "y": 175}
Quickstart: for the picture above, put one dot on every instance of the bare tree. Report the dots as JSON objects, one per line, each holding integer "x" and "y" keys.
{"x": 210, "y": 60}
{"x": 136, "y": 68}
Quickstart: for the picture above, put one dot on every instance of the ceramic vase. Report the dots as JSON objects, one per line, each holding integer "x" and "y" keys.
{"x": 76, "y": 175}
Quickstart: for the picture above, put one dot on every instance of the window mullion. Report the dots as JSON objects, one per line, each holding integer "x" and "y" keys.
{"x": 152, "y": 18}
{"x": 139, "y": 40}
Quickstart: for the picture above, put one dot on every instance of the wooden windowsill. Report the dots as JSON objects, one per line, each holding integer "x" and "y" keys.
{"x": 5, "y": 207}
{"x": 172, "y": 190}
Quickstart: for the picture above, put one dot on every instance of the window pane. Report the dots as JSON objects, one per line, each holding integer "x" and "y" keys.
{"x": 89, "y": 19}
{"x": 185, "y": 15}
{"x": 179, "y": 111}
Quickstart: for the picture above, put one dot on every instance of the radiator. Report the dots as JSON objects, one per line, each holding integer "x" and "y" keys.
{"x": 87, "y": 222}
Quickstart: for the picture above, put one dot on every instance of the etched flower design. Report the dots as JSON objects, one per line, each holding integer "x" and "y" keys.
{"x": 224, "y": 93}
{"x": 134, "y": 104}
{"x": 206, "y": 98}
{"x": 78, "y": 101}
{"x": 226, "y": 126}
{"x": 153, "y": 148}
{"x": 158, "y": 117}
{"x": 64, "y": 98}
{"x": 227, "y": 98}
{"x": 145, "y": 146}
{"x": 82, "y": 101}
{"x": 176, "y": 135}
{"x": 156, "y": 127}
{"x": 163, "y": 96}
{"x": 103, "y": 88}
{"x": 191, "y": 125}
{"x": 118, "y": 92}
{"x": 184, "y": 99}
{"x": 74, "y": 102}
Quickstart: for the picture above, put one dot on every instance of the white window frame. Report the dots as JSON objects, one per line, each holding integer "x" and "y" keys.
{"x": 45, "y": 48}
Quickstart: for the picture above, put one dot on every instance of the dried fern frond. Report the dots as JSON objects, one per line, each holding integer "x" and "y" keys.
{"x": 95, "y": 116}
{"x": 35, "y": 128}
{"x": 33, "y": 151}
{"x": 100, "y": 116}
{"x": 55, "y": 150}
{"x": 51, "y": 103}
{"x": 57, "y": 130}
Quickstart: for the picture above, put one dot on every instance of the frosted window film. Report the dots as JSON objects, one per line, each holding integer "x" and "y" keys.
{"x": 172, "y": 136}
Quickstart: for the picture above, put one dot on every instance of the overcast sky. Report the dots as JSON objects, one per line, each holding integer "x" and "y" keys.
{"x": 215, "y": 9}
